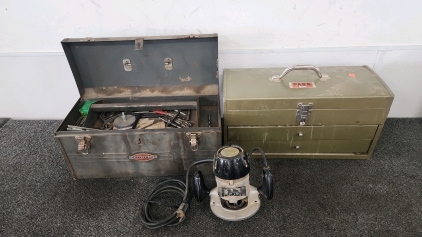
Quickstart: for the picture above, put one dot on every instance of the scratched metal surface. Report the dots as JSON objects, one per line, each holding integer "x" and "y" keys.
{"x": 109, "y": 155}
{"x": 353, "y": 96}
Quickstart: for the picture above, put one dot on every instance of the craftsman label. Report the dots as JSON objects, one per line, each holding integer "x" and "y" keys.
{"x": 144, "y": 157}
{"x": 302, "y": 85}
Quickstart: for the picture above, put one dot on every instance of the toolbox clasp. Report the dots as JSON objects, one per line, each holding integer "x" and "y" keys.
{"x": 127, "y": 65}
{"x": 193, "y": 140}
{"x": 84, "y": 144}
{"x": 303, "y": 113}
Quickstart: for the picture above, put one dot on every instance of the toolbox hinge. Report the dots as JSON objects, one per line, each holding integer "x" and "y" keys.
{"x": 139, "y": 44}
{"x": 303, "y": 113}
{"x": 193, "y": 140}
{"x": 84, "y": 144}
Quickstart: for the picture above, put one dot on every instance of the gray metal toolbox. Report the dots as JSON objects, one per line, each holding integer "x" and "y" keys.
{"x": 305, "y": 111}
{"x": 138, "y": 74}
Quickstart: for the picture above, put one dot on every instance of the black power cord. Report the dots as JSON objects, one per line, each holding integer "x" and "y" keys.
{"x": 262, "y": 155}
{"x": 267, "y": 186}
{"x": 182, "y": 188}
{"x": 169, "y": 186}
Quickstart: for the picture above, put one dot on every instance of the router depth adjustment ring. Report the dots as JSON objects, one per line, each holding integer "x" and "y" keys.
{"x": 230, "y": 163}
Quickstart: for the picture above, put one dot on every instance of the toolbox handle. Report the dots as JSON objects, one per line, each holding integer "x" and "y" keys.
{"x": 322, "y": 77}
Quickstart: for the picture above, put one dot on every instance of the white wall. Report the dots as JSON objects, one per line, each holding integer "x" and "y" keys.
{"x": 36, "y": 82}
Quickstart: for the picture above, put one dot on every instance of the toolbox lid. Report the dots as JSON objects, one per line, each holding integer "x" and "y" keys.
{"x": 144, "y": 66}
{"x": 243, "y": 86}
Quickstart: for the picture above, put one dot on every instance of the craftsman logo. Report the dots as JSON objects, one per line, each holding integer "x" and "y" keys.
{"x": 144, "y": 157}
{"x": 302, "y": 85}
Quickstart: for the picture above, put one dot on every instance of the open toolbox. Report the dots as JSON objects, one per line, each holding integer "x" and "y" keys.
{"x": 148, "y": 106}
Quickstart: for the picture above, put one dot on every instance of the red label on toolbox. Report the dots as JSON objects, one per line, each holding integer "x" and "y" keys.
{"x": 302, "y": 85}
{"x": 143, "y": 157}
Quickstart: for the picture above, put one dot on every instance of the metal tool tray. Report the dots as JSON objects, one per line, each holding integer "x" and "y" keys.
{"x": 150, "y": 72}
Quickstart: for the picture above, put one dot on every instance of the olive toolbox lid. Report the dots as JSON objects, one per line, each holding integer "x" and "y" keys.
{"x": 144, "y": 66}
{"x": 283, "y": 88}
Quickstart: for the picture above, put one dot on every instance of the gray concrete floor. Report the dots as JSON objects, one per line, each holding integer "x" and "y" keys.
{"x": 376, "y": 197}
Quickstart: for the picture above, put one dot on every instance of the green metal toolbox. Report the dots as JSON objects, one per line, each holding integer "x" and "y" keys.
{"x": 305, "y": 111}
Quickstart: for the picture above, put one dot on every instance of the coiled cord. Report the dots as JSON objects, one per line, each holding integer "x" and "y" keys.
{"x": 179, "y": 188}
{"x": 169, "y": 186}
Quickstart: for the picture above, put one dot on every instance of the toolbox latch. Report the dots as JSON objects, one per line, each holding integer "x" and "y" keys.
{"x": 303, "y": 113}
{"x": 168, "y": 64}
{"x": 193, "y": 140}
{"x": 127, "y": 65}
{"x": 84, "y": 143}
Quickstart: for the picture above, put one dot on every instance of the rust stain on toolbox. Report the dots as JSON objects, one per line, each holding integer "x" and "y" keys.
{"x": 144, "y": 91}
